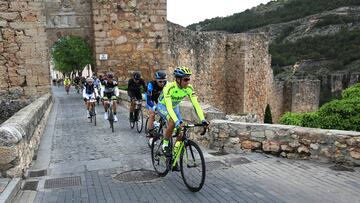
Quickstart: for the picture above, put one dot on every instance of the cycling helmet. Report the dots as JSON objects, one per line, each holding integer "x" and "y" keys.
{"x": 89, "y": 79}
{"x": 110, "y": 75}
{"x": 182, "y": 71}
{"x": 137, "y": 76}
{"x": 159, "y": 75}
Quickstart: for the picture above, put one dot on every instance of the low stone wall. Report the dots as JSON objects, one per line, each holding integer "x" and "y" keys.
{"x": 20, "y": 136}
{"x": 286, "y": 141}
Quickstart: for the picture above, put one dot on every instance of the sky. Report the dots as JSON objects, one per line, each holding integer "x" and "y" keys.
{"x": 186, "y": 12}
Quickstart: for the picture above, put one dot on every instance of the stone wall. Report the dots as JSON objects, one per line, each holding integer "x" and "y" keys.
{"x": 24, "y": 72}
{"x": 231, "y": 71}
{"x": 133, "y": 34}
{"x": 20, "y": 137}
{"x": 286, "y": 141}
{"x": 295, "y": 95}
{"x": 64, "y": 18}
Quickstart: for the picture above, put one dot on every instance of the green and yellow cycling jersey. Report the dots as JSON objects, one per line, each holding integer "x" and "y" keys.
{"x": 172, "y": 95}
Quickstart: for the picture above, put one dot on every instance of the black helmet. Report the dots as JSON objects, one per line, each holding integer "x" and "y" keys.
{"x": 160, "y": 75}
{"x": 137, "y": 75}
{"x": 110, "y": 75}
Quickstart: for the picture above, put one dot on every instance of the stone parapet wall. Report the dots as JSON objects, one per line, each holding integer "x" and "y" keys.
{"x": 287, "y": 141}
{"x": 24, "y": 72}
{"x": 20, "y": 136}
{"x": 133, "y": 34}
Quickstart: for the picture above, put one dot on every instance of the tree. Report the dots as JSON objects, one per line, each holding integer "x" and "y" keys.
{"x": 268, "y": 116}
{"x": 70, "y": 54}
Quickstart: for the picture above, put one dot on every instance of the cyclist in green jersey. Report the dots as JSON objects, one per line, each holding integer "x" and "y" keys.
{"x": 170, "y": 98}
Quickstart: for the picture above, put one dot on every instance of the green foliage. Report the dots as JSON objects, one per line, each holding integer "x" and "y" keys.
{"x": 71, "y": 54}
{"x": 344, "y": 47}
{"x": 291, "y": 119}
{"x": 352, "y": 92}
{"x": 268, "y": 116}
{"x": 284, "y": 11}
{"x": 341, "y": 114}
{"x": 336, "y": 19}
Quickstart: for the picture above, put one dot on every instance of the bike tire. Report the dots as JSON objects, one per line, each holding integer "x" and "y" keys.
{"x": 111, "y": 120}
{"x": 158, "y": 158}
{"x": 140, "y": 121}
{"x": 132, "y": 124}
{"x": 146, "y": 130}
{"x": 188, "y": 151}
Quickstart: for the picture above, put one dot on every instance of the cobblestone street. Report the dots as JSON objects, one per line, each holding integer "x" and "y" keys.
{"x": 88, "y": 158}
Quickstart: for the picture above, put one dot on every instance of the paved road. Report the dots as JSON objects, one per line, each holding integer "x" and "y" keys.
{"x": 83, "y": 163}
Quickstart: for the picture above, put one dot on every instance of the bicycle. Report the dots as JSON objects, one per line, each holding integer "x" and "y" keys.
{"x": 187, "y": 155}
{"x": 111, "y": 115}
{"x": 92, "y": 111}
{"x": 138, "y": 117}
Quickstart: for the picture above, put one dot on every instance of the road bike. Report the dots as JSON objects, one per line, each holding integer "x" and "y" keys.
{"x": 92, "y": 111}
{"x": 111, "y": 114}
{"x": 189, "y": 154}
{"x": 138, "y": 117}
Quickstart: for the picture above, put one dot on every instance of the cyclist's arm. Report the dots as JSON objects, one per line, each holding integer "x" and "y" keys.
{"x": 84, "y": 92}
{"x": 168, "y": 104}
{"x": 196, "y": 104}
{"x": 148, "y": 95}
{"x": 102, "y": 87}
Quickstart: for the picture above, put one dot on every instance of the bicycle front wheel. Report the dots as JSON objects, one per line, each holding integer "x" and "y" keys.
{"x": 158, "y": 158}
{"x": 140, "y": 121}
{"x": 192, "y": 166}
{"x": 111, "y": 120}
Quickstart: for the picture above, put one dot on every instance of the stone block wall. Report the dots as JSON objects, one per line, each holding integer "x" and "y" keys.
{"x": 24, "y": 72}
{"x": 133, "y": 34}
{"x": 20, "y": 137}
{"x": 231, "y": 71}
{"x": 286, "y": 141}
{"x": 64, "y": 18}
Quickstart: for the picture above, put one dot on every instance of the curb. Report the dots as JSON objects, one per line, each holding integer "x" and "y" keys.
{"x": 10, "y": 191}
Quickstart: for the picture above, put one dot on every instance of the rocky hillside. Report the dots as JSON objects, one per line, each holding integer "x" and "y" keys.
{"x": 308, "y": 39}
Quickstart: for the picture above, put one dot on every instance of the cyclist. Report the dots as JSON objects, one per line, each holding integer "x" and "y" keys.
{"x": 154, "y": 89}
{"x": 97, "y": 86}
{"x": 109, "y": 89}
{"x": 169, "y": 100}
{"x": 134, "y": 92}
{"x": 89, "y": 92}
{"x": 77, "y": 83}
{"x": 67, "y": 84}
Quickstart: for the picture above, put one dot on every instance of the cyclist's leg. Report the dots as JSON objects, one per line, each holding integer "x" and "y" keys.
{"x": 151, "y": 120}
{"x": 132, "y": 108}
{"x": 114, "y": 102}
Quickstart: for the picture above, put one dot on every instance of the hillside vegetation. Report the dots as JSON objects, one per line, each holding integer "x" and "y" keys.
{"x": 272, "y": 13}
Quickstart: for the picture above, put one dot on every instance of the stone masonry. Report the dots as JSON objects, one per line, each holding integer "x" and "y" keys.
{"x": 232, "y": 72}
{"x": 286, "y": 141}
{"x": 24, "y": 72}
{"x": 133, "y": 34}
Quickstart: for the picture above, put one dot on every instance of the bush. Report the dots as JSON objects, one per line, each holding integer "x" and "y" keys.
{"x": 351, "y": 92}
{"x": 341, "y": 114}
{"x": 291, "y": 119}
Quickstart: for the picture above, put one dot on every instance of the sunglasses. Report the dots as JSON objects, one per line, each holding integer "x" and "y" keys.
{"x": 186, "y": 79}
{"x": 162, "y": 81}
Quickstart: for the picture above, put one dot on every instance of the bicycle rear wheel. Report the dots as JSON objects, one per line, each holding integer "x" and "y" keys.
{"x": 192, "y": 166}
{"x": 94, "y": 114}
{"x": 158, "y": 158}
{"x": 139, "y": 121}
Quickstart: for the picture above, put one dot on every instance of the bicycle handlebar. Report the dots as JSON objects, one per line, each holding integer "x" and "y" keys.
{"x": 198, "y": 125}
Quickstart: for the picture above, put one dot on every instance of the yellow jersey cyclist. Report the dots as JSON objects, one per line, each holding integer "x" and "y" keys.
{"x": 169, "y": 100}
